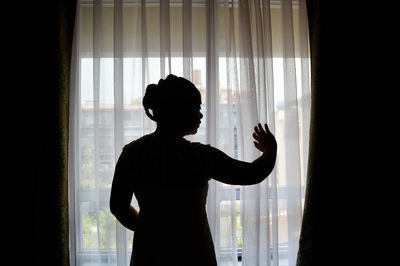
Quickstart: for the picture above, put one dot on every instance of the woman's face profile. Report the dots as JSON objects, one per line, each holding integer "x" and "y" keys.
{"x": 194, "y": 117}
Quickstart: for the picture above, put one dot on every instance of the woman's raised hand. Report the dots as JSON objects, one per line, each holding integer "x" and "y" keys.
{"x": 264, "y": 140}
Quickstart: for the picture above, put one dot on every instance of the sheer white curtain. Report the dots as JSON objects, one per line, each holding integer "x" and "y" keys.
{"x": 250, "y": 61}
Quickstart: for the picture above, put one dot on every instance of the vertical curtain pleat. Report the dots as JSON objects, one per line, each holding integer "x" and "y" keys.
{"x": 187, "y": 39}
{"x": 97, "y": 41}
{"x": 271, "y": 191}
{"x": 212, "y": 94}
{"x": 74, "y": 154}
{"x": 305, "y": 104}
{"x": 165, "y": 42}
{"x": 121, "y": 235}
{"x": 144, "y": 61}
{"x": 308, "y": 243}
{"x": 291, "y": 131}
{"x": 212, "y": 71}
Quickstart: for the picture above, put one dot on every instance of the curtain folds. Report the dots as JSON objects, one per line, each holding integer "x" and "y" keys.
{"x": 250, "y": 61}
{"x": 307, "y": 250}
{"x": 40, "y": 135}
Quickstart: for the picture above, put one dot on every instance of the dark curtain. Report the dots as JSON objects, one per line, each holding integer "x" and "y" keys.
{"x": 38, "y": 54}
{"x": 307, "y": 254}
{"x": 339, "y": 134}
{"x": 318, "y": 233}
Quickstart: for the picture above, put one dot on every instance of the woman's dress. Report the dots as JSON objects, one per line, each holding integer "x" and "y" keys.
{"x": 169, "y": 178}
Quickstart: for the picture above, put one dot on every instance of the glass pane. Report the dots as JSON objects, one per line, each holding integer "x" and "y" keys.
{"x": 89, "y": 226}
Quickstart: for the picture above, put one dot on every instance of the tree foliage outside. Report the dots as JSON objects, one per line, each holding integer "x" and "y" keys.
{"x": 99, "y": 235}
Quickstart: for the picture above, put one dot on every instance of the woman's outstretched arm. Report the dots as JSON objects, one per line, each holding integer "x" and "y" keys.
{"x": 121, "y": 196}
{"x": 235, "y": 172}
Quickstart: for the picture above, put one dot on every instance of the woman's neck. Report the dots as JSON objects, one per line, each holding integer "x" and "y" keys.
{"x": 167, "y": 132}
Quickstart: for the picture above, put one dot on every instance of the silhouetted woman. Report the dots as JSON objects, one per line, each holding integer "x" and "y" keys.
{"x": 169, "y": 177}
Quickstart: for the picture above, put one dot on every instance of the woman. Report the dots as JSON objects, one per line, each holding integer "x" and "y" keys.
{"x": 169, "y": 177}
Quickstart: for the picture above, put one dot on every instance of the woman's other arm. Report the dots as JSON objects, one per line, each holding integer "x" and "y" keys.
{"x": 235, "y": 172}
{"x": 121, "y": 196}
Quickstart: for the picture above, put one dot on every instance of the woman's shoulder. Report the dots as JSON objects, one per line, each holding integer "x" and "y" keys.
{"x": 137, "y": 143}
{"x": 203, "y": 150}
{"x": 199, "y": 145}
{"x": 150, "y": 142}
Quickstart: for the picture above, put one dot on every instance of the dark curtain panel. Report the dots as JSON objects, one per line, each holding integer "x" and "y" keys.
{"x": 319, "y": 232}
{"x": 38, "y": 56}
{"x": 307, "y": 247}
{"x": 337, "y": 140}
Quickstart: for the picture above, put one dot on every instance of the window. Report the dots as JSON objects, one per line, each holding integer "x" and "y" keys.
{"x": 100, "y": 121}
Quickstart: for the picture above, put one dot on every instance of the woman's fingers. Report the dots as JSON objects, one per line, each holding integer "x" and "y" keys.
{"x": 267, "y": 128}
{"x": 260, "y": 130}
{"x": 264, "y": 139}
{"x": 258, "y": 146}
{"x": 256, "y": 136}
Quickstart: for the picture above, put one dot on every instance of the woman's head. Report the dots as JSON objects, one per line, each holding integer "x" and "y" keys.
{"x": 174, "y": 103}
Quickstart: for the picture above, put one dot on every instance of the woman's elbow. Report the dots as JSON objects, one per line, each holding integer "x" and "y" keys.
{"x": 114, "y": 207}
{"x": 265, "y": 169}
{"x": 260, "y": 176}
{"x": 258, "y": 179}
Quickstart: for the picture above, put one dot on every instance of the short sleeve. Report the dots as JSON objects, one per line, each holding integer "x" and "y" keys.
{"x": 120, "y": 173}
{"x": 124, "y": 169}
{"x": 204, "y": 156}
